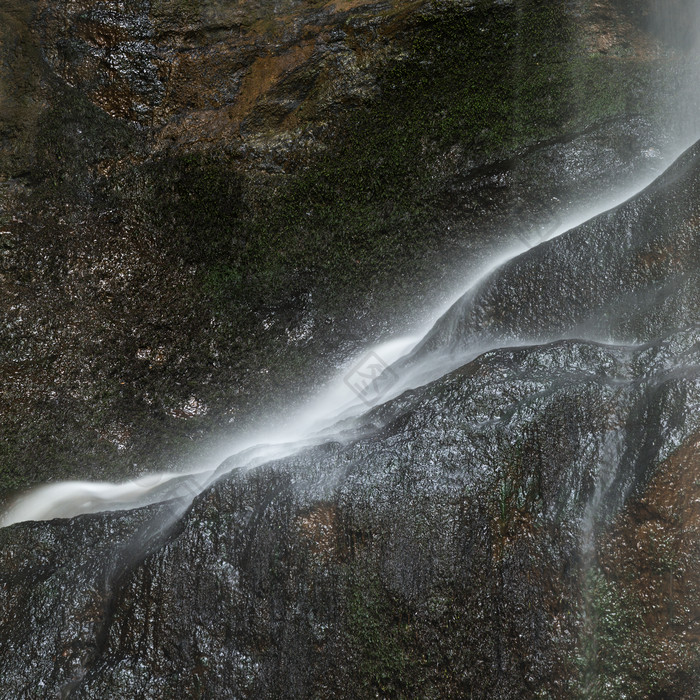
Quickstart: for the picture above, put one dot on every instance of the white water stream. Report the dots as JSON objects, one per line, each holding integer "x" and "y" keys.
{"x": 349, "y": 395}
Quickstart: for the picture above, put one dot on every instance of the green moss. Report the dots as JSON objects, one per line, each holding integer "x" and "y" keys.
{"x": 381, "y": 639}
{"x": 75, "y": 135}
{"x": 198, "y": 205}
{"x": 488, "y": 80}
{"x": 20, "y": 101}
{"x": 176, "y": 8}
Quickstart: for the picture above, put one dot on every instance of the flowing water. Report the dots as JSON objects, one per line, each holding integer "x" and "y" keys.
{"x": 382, "y": 372}
{"x": 327, "y": 417}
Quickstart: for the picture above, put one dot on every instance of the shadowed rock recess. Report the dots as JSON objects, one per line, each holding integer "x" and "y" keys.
{"x": 522, "y": 527}
{"x": 205, "y": 205}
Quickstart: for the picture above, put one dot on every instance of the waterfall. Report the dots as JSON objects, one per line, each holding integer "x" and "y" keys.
{"x": 375, "y": 377}
{"x": 379, "y": 374}
{"x": 682, "y": 30}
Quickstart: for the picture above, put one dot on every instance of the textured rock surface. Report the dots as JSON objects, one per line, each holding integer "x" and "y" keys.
{"x": 205, "y": 205}
{"x": 200, "y": 199}
{"x": 521, "y": 528}
{"x": 629, "y": 275}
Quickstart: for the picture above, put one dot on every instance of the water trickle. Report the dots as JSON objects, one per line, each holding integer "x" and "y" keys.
{"x": 398, "y": 365}
{"x": 392, "y": 368}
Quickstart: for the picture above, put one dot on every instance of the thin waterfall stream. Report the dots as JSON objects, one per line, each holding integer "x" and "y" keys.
{"x": 497, "y": 492}
{"x": 318, "y": 423}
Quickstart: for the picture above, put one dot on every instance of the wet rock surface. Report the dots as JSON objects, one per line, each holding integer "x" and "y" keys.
{"x": 206, "y": 207}
{"x": 440, "y": 556}
{"x": 629, "y": 275}
{"x": 521, "y": 527}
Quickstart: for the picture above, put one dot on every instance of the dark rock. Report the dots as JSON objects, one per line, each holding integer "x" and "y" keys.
{"x": 449, "y": 550}
{"x": 227, "y": 202}
{"x": 629, "y": 275}
{"x": 206, "y": 206}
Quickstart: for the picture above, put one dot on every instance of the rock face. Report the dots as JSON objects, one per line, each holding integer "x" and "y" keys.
{"x": 521, "y": 528}
{"x": 198, "y": 200}
{"x": 206, "y": 205}
{"x": 628, "y": 275}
